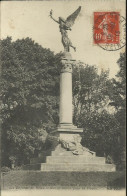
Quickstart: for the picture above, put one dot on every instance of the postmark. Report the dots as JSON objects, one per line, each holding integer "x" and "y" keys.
{"x": 109, "y": 30}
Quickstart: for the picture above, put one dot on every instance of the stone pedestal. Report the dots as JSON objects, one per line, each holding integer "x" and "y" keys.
{"x": 63, "y": 160}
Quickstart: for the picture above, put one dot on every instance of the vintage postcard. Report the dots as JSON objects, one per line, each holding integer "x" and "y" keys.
{"x": 62, "y": 101}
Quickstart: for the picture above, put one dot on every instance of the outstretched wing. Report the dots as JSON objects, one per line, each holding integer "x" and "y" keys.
{"x": 71, "y": 19}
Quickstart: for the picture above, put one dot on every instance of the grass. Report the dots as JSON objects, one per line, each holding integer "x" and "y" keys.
{"x": 63, "y": 180}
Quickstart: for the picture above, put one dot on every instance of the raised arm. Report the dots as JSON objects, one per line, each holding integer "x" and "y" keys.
{"x": 52, "y": 17}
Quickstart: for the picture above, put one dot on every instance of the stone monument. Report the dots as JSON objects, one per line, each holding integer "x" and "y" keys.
{"x": 69, "y": 154}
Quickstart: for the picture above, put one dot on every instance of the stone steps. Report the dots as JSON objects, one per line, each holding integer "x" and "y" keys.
{"x": 77, "y": 167}
{"x": 68, "y": 159}
{"x": 74, "y": 159}
{"x": 63, "y": 160}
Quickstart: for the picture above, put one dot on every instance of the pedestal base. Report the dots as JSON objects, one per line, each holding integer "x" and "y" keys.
{"x": 64, "y": 159}
{"x": 69, "y": 128}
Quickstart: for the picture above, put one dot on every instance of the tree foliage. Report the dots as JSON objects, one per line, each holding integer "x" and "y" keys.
{"x": 29, "y": 94}
{"x": 118, "y": 100}
{"x": 99, "y": 108}
{"x": 90, "y": 90}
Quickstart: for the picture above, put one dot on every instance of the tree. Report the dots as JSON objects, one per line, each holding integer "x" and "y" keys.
{"x": 29, "y": 96}
{"x": 95, "y": 112}
{"x": 118, "y": 100}
{"x": 119, "y": 85}
{"x": 89, "y": 91}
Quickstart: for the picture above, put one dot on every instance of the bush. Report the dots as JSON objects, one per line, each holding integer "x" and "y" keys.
{"x": 18, "y": 168}
{"x": 5, "y": 169}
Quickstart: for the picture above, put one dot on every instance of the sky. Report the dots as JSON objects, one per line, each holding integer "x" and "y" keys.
{"x": 21, "y": 19}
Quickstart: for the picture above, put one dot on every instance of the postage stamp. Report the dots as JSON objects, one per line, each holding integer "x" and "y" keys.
{"x": 106, "y": 27}
{"x": 109, "y": 28}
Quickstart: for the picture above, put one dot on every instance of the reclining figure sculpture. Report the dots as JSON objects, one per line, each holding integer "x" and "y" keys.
{"x": 75, "y": 146}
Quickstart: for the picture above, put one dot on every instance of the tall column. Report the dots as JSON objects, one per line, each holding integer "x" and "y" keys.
{"x": 66, "y": 92}
{"x": 65, "y": 111}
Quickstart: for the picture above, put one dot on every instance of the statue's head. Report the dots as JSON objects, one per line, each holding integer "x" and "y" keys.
{"x": 61, "y": 19}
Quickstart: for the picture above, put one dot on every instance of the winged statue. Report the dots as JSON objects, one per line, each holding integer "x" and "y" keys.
{"x": 64, "y": 26}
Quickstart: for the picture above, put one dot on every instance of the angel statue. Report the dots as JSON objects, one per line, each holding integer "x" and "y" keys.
{"x": 64, "y": 26}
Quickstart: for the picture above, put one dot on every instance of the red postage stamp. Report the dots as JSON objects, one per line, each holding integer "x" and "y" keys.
{"x": 106, "y": 28}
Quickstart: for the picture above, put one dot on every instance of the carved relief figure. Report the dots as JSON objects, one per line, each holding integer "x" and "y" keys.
{"x": 76, "y": 147}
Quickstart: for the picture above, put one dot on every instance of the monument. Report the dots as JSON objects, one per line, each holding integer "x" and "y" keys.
{"x": 69, "y": 154}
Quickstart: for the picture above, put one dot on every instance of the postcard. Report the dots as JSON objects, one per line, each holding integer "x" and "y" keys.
{"x": 63, "y": 97}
